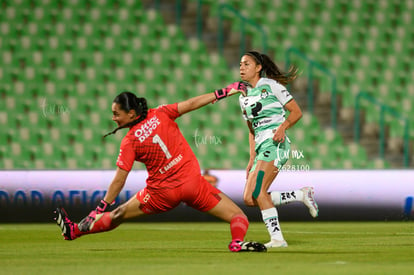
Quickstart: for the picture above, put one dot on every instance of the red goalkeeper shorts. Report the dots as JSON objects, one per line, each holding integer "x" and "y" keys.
{"x": 197, "y": 193}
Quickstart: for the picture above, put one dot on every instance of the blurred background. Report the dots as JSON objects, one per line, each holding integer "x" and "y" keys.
{"x": 63, "y": 62}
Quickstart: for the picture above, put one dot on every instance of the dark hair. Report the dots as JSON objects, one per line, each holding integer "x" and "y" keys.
{"x": 271, "y": 70}
{"x": 128, "y": 101}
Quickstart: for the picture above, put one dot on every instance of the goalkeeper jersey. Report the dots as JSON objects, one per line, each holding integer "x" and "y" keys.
{"x": 158, "y": 143}
{"x": 264, "y": 107}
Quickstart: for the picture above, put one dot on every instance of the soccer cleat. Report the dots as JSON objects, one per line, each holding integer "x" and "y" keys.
{"x": 66, "y": 225}
{"x": 276, "y": 243}
{"x": 309, "y": 201}
{"x": 240, "y": 246}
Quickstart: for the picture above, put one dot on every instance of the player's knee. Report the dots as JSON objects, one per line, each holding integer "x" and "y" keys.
{"x": 248, "y": 200}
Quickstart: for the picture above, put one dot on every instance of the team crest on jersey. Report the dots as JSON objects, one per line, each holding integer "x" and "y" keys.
{"x": 264, "y": 93}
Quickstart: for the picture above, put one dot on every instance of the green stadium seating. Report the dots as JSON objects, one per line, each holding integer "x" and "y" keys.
{"x": 75, "y": 56}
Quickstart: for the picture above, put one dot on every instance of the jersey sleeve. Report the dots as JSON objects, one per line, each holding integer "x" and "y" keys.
{"x": 126, "y": 156}
{"x": 281, "y": 93}
{"x": 171, "y": 110}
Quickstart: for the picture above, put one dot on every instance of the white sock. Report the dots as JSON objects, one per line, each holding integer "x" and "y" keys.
{"x": 272, "y": 223}
{"x": 279, "y": 198}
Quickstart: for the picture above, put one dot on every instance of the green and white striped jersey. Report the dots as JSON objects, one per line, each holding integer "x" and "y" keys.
{"x": 264, "y": 107}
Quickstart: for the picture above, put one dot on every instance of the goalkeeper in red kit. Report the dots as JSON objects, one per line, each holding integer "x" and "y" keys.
{"x": 174, "y": 175}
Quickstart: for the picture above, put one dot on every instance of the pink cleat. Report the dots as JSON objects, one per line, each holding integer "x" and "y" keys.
{"x": 66, "y": 225}
{"x": 240, "y": 246}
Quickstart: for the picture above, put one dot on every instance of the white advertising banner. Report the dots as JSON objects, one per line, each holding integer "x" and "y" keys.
{"x": 333, "y": 187}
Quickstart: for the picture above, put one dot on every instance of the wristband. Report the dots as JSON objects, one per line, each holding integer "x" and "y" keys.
{"x": 220, "y": 94}
{"x": 101, "y": 206}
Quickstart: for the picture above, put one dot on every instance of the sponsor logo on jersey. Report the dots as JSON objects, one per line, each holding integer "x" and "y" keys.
{"x": 261, "y": 123}
{"x": 147, "y": 128}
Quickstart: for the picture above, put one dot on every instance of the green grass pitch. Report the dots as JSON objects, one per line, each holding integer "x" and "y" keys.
{"x": 201, "y": 248}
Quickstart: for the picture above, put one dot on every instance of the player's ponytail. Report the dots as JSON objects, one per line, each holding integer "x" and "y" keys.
{"x": 271, "y": 70}
{"x": 127, "y": 102}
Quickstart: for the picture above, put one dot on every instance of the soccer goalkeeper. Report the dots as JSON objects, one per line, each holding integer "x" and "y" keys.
{"x": 174, "y": 174}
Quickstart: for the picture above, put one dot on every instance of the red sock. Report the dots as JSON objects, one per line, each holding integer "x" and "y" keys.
{"x": 238, "y": 227}
{"x": 101, "y": 225}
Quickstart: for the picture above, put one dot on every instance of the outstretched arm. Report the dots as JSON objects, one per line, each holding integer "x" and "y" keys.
{"x": 202, "y": 100}
{"x": 195, "y": 103}
{"x": 113, "y": 191}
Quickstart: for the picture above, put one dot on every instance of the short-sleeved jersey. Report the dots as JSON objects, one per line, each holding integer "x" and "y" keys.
{"x": 158, "y": 143}
{"x": 264, "y": 107}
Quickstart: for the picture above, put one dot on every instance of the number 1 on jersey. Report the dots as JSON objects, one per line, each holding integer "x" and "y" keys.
{"x": 157, "y": 139}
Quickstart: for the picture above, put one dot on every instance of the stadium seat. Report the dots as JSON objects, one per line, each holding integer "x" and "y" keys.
{"x": 80, "y": 54}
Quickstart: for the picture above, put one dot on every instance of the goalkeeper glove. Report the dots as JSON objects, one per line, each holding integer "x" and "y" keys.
{"x": 87, "y": 222}
{"x": 234, "y": 88}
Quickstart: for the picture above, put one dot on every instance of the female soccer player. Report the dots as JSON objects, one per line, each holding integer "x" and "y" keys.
{"x": 264, "y": 109}
{"x": 174, "y": 174}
